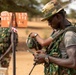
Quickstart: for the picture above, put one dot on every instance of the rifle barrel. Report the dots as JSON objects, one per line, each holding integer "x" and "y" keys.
{"x": 32, "y": 68}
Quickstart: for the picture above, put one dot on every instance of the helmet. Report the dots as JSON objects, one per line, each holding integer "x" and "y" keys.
{"x": 33, "y": 44}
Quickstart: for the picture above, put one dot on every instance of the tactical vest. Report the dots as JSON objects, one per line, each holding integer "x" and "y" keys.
{"x": 53, "y": 50}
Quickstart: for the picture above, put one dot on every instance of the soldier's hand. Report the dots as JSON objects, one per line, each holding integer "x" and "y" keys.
{"x": 39, "y": 58}
{"x": 41, "y": 52}
{"x": 33, "y": 34}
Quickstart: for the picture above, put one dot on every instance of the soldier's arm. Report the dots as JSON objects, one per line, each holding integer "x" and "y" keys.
{"x": 70, "y": 62}
{"x": 70, "y": 44}
{"x": 41, "y": 41}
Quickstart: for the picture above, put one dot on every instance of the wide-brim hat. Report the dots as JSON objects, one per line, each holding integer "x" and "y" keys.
{"x": 50, "y": 9}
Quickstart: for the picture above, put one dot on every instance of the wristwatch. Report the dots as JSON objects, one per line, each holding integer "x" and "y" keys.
{"x": 47, "y": 59}
{"x": 35, "y": 35}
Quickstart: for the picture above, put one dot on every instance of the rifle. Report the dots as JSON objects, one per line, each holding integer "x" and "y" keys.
{"x": 34, "y": 63}
{"x": 32, "y": 68}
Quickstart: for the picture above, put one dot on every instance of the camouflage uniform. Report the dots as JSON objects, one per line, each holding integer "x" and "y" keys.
{"x": 58, "y": 50}
{"x": 58, "y": 47}
{"x": 5, "y": 41}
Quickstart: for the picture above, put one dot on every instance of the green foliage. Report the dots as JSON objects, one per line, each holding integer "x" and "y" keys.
{"x": 29, "y": 6}
{"x": 9, "y": 5}
{"x": 72, "y": 14}
{"x": 32, "y": 7}
{"x": 44, "y": 1}
{"x": 62, "y": 3}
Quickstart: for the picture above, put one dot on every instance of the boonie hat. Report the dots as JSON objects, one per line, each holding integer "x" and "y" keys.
{"x": 50, "y": 9}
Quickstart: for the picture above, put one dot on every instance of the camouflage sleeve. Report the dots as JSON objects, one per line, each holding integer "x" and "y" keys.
{"x": 69, "y": 38}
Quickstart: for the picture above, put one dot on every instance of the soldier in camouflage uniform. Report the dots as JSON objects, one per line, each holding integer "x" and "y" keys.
{"x": 60, "y": 56}
{"x": 5, "y": 42}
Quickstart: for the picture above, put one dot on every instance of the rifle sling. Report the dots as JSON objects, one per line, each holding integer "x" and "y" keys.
{"x": 57, "y": 34}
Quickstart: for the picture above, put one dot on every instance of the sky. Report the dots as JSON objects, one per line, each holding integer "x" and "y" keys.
{"x": 71, "y": 6}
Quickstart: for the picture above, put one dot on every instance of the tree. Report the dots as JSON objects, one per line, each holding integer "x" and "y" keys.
{"x": 32, "y": 7}
{"x": 60, "y": 1}
{"x": 72, "y": 14}
{"x": 29, "y": 6}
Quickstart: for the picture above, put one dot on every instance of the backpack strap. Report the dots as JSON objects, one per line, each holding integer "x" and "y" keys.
{"x": 57, "y": 34}
{"x": 70, "y": 28}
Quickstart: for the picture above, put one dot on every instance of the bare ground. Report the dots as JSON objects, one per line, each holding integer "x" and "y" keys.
{"x": 24, "y": 59}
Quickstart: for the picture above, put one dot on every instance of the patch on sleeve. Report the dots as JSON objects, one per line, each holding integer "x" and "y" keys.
{"x": 70, "y": 38}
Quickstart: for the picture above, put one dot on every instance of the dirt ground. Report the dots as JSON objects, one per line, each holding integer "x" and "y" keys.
{"x": 24, "y": 59}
